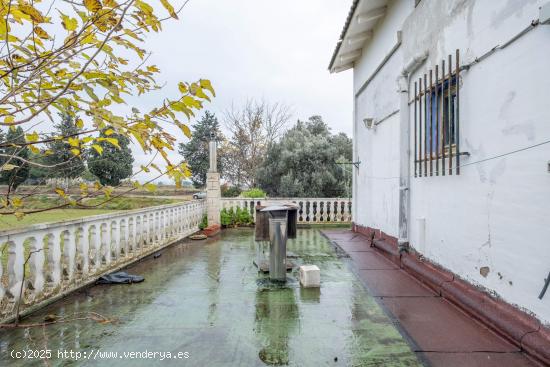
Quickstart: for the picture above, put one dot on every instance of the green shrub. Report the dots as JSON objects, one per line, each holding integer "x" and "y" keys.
{"x": 254, "y": 193}
{"x": 239, "y": 217}
{"x": 204, "y": 222}
{"x": 230, "y": 191}
{"x": 243, "y": 217}
{"x": 225, "y": 218}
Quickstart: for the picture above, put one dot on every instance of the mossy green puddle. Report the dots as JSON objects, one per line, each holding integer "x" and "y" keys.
{"x": 207, "y": 299}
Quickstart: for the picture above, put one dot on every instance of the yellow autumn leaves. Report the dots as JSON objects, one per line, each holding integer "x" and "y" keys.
{"x": 90, "y": 72}
{"x": 93, "y": 5}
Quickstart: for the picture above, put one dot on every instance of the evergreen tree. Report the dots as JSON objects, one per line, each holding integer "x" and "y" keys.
{"x": 67, "y": 164}
{"x": 304, "y": 162}
{"x": 14, "y": 171}
{"x": 196, "y": 153}
{"x": 111, "y": 164}
{"x": 37, "y": 174}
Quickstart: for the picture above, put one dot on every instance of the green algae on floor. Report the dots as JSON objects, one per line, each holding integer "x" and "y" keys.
{"x": 208, "y": 300}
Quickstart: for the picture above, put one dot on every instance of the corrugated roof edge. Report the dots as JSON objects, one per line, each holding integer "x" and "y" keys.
{"x": 344, "y": 30}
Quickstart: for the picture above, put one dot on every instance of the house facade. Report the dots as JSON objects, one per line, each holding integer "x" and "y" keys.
{"x": 451, "y": 125}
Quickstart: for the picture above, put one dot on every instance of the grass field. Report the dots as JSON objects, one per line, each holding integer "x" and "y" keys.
{"x": 56, "y": 215}
{"x": 11, "y": 222}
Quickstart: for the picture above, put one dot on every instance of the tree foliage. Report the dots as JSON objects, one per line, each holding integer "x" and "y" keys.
{"x": 13, "y": 159}
{"x": 196, "y": 151}
{"x": 254, "y": 127}
{"x": 304, "y": 162}
{"x": 253, "y": 193}
{"x": 109, "y": 163}
{"x": 87, "y": 58}
{"x": 61, "y": 155}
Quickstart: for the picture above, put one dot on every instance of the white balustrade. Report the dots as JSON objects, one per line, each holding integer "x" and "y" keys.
{"x": 312, "y": 210}
{"x": 63, "y": 256}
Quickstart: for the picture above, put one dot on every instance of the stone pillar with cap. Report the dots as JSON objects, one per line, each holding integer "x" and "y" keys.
{"x": 213, "y": 191}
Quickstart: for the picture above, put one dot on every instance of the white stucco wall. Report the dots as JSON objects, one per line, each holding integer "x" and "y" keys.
{"x": 376, "y": 201}
{"x": 495, "y": 214}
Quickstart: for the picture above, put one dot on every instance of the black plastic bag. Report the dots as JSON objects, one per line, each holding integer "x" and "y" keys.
{"x": 120, "y": 277}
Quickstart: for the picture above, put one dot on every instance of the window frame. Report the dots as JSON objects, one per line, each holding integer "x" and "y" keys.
{"x": 437, "y": 121}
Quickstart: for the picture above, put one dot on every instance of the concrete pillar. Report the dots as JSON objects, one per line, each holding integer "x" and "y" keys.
{"x": 213, "y": 197}
{"x": 213, "y": 191}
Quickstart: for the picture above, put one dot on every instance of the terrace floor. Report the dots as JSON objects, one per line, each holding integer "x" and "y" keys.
{"x": 440, "y": 334}
{"x": 207, "y": 299}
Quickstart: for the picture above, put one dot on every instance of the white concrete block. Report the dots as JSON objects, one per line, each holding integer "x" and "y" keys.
{"x": 310, "y": 276}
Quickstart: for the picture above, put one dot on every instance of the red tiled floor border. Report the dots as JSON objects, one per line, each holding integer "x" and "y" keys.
{"x": 516, "y": 326}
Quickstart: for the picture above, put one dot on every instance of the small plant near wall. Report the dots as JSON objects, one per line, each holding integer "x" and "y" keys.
{"x": 254, "y": 193}
{"x": 235, "y": 218}
{"x": 204, "y": 222}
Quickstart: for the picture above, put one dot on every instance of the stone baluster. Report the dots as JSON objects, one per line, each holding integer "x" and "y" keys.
{"x": 158, "y": 227}
{"x": 67, "y": 258}
{"x": 151, "y": 228}
{"x": 81, "y": 257}
{"x": 144, "y": 230}
{"x": 132, "y": 235}
{"x": 34, "y": 280}
{"x": 167, "y": 227}
{"x": 105, "y": 242}
{"x": 175, "y": 221}
{"x": 93, "y": 248}
{"x": 123, "y": 239}
{"x": 2, "y": 284}
{"x": 170, "y": 223}
{"x": 52, "y": 263}
{"x": 161, "y": 229}
{"x": 138, "y": 233}
{"x": 186, "y": 218}
{"x": 179, "y": 221}
{"x": 164, "y": 225}
{"x": 14, "y": 272}
{"x": 114, "y": 243}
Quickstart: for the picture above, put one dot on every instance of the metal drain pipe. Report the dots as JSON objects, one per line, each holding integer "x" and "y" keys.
{"x": 277, "y": 248}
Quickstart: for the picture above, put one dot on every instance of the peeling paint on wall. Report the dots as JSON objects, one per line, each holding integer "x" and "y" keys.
{"x": 484, "y": 271}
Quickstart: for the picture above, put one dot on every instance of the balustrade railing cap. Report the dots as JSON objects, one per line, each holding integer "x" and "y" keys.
{"x": 279, "y": 208}
{"x": 92, "y": 218}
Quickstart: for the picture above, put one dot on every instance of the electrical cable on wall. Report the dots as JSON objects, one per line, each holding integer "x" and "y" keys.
{"x": 475, "y": 162}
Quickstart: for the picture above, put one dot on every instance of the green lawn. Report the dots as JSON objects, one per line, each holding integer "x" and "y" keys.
{"x": 42, "y": 202}
{"x": 11, "y": 222}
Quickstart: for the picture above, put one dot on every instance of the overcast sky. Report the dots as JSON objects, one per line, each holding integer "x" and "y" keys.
{"x": 275, "y": 50}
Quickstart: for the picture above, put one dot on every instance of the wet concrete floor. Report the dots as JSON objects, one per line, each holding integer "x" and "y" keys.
{"x": 205, "y": 304}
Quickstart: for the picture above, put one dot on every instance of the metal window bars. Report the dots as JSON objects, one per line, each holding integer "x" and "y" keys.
{"x": 437, "y": 121}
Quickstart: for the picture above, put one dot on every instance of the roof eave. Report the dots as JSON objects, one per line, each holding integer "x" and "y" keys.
{"x": 343, "y": 34}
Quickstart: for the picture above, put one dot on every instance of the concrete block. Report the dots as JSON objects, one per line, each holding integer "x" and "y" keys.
{"x": 310, "y": 276}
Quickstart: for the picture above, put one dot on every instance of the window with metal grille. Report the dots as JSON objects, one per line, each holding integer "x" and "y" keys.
{"x": 436, "y": 121}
